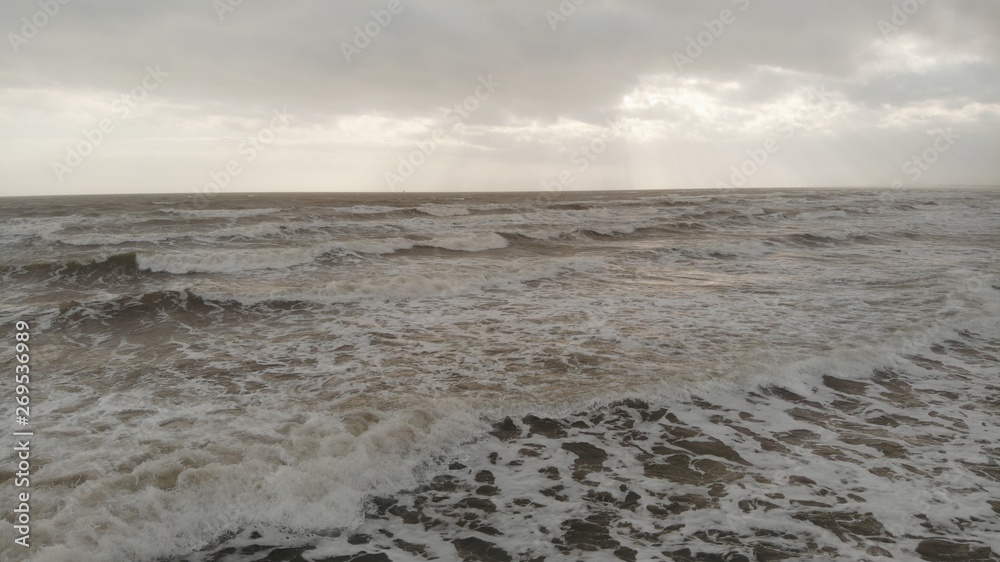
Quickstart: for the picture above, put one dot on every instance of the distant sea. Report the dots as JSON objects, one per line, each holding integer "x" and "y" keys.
{"x": 687, "y": 375}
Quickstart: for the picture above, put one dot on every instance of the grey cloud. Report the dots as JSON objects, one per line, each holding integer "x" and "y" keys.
{"x": 267, "y": 53}
{"x": 288, "y": 54}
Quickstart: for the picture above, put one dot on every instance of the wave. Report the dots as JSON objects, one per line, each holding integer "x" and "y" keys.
{"x": 234, "y": 261}
{"x": 476, "y": 243}
{"x": 102, "y": 239}
{"x": 183, "y": 497}
{"x": 399, "y": 287}
{"x": 570, "y": 206}
{"x": 395, "y": 288}
{"x": 116, "y": 306}
{"x": 745, "y": 249}
{"x": 19, "y": 228}
{"x": 220, "y": 213}
{"x": 371, "y": 212}
{"x": 817, "y": 215}
{"x": 368, "y": 209}
{"x": 253, "y": 231}
{"x": 607, "y": 231}
{"x": 231, "y": 261}
{"x": 590, "y": 231}
{"x": 761, "y": 247}
{"x": 473, "y": 243}
{"x": 99, "y": 265}
{"x": 443, "y": 210}
{"x": 789, "y": 435}
{"x": 816, "y": 239}
{"x": 388, "y": 210}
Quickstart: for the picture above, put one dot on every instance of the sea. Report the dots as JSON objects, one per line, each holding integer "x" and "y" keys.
{"x": 737, "y": 375}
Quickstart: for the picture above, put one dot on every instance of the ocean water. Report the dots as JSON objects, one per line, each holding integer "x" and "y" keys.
{"x": 690, "y": 375}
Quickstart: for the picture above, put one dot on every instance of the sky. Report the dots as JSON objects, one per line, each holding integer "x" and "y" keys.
{"x": 399, "y": 95}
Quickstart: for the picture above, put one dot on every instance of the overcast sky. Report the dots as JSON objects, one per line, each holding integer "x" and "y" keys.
{"x": 115, "y": 96}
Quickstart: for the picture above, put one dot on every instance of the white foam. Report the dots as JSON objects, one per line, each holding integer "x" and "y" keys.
{"x": 818, "y": 215}
{"x": 748, "y": 248}
{"x": 375, "y": 245}
{"x": 369, "y": 209}
{"x": 613, "y": 229}
{"x": 234, "y": 261}
{"x": 114, "y": 239}
{"x": 466, "y": 243}
{"x": 220, "y": 213}
{"x": 400, "y": 285}
{"x": 27, "y": 227}
{"x": 289, "y": 418}
{"x": 249, "y": 231}
{"x": 932, "y": 480}
{"x": 542, "y": 234}
{"x": 176, "y": 499}
{"x": 478, "y": 243}
{"x": 574, "y": 228}
{"x": 444, "y": 210}
{"x": 101, "y": 239}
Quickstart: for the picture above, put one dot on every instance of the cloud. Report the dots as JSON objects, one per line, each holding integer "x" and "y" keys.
{"x": 893, "y": 72}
